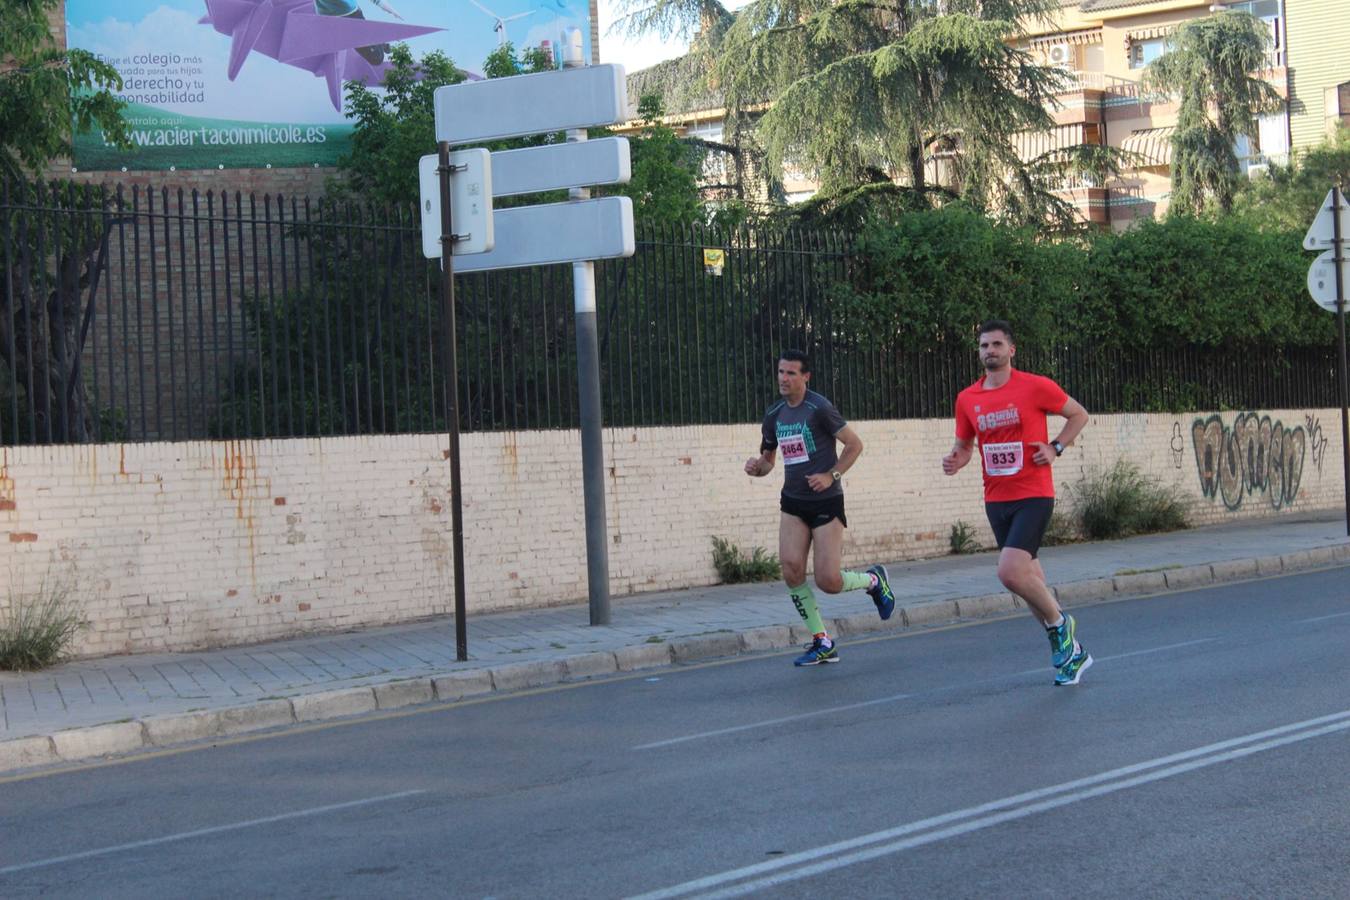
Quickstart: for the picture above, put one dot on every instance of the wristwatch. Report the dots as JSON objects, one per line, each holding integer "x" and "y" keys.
{"x": 1059, "y": 448}
{"x": 836, "y": 474}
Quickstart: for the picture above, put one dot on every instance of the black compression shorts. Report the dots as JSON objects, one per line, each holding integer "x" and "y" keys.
{"x": 815, "y": 513}
{"x": 1020, "y": 523}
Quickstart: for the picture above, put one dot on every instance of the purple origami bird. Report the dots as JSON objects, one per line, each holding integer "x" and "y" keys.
{"x": 338, "y": 46}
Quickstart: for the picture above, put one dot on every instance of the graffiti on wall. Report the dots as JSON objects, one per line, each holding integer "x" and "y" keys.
{"x": 1178, "y": 445}
{"x": 1254, "y": 456}
{"x": 1317, "y": 441}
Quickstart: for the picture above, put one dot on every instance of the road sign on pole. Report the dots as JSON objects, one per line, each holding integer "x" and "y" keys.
{"x": 556, "y": 166}
{"x": 580, "y": 231}
{"x": 1332, "y": 218}
{"x": 557, "y": 233}
{"x": 445, "y": 171}
{"x": 497, "y": 108}
{"x": 470, "y": 201}
{"x": 510, "y": 172}
{"x": 1328, "y": 280}
{"x": 1322, "y": 279}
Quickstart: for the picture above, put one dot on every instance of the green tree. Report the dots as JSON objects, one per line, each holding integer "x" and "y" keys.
{"x": 46, "y": 95}
{"x": 371, "y": 299}
{"x": 45, "y": 90}
{"x": 664, "y": 182}
{"x": 1288, "y": 196}
{"x": 864, "y": 94}
{"x": 504, "y": 61}
{"x": 395, "y": 126}
{"x": 1209, "y": 66}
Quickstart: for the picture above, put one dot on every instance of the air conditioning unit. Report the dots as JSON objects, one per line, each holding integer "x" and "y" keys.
{"x": 1257, "y": 170}
{"x": 1060, "y": 54}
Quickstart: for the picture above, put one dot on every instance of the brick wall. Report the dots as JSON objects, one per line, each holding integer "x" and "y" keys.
{"x": 187, "y": 545}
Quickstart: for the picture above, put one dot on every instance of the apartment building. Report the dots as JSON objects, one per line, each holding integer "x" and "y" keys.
{"x": 1318, "y": 38}
{"x": 1104, "y": 47}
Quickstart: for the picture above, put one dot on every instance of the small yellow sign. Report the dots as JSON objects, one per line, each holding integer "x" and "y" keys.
{"x": 713, "y": 260}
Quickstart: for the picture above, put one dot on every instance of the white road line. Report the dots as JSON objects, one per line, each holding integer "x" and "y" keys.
{"x": 891, "y": 699}
{"x": 1322, "y": 618}
{"x": 882, "y": 843}
{"x": 1154, "y": 649}
{"x": 767, "y": 722}
{"x": 203, "y": 832}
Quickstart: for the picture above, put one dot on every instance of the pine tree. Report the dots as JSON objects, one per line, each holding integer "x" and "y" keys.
{"x": 910, "y": 102}
{"x": 1209, "y": 66}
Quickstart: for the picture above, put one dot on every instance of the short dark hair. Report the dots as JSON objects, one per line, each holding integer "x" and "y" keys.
{"x": 996, "y": 325}
{"x": 800, "y": 356}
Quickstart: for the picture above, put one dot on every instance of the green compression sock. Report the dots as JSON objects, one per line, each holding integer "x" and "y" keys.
{"x": 856, "y": 581}
{"x": 805, "y": 601}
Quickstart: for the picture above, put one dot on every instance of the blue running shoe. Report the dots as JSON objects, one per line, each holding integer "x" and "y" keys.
{"x": 1071, "y": 671}
{"x": 881, "y": 594}
{"x": 1062, "y": 642}
{"x": 817, "y": 652}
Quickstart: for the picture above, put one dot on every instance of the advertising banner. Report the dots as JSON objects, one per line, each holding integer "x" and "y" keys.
{"x": 258, "y": 83}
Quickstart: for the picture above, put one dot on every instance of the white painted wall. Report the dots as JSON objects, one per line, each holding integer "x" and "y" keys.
{"x": 176, "y": 546}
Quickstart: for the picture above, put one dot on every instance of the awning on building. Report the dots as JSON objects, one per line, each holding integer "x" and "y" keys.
{"x": 1154, "y": 144}
{"x": 1092, "y": 36}
{"x": 1148, "y": 34}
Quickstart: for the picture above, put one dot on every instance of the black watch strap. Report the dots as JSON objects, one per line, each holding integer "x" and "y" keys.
{"x": 1059, "y": 448}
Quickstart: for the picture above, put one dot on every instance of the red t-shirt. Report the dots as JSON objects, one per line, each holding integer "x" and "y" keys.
{"x": 1006, "y": 420}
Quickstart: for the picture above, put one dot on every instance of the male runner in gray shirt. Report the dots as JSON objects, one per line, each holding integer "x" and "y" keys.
{"x": 804, "y": 426}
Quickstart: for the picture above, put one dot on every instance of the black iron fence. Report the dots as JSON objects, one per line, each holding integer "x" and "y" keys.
{"x": 156, "y": 315}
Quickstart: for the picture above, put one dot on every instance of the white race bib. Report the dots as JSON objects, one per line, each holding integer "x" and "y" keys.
{"x": 794, "y": 449}
{"x": 1002, "y": 459}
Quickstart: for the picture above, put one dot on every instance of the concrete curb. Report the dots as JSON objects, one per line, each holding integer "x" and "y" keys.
{"x": 162, "y": 731}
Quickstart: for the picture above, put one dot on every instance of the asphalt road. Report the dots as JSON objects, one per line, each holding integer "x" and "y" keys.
{"x": 1207, "y": 753}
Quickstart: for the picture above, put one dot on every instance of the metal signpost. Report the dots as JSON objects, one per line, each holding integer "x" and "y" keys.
{"x": 578, "y": 231}
{"x": 466, "y": 200}
{"x": 1327, "y": 281}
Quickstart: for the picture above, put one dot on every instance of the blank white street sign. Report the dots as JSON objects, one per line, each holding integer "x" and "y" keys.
{"x": 1322, "y": 279}
{"x": 556, "y": 166}
{"x": 557, "y": 233}
{"x": 531, "y": 104}
{"x": 1321, "y": 234}
{"x": 470, "y": 202}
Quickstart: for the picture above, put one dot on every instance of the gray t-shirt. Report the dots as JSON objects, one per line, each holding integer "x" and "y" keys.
{"x": 804, "y": 436}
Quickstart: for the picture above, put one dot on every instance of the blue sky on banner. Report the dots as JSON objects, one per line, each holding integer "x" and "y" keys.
{"x": 264, "y": 89}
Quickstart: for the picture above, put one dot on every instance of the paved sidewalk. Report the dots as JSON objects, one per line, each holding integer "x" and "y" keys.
{"x": 120, "y": 704}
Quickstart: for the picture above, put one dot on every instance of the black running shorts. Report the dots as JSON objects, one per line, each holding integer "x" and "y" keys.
{"x": 1020, "y": 523}
{"x": 815, "y": 513}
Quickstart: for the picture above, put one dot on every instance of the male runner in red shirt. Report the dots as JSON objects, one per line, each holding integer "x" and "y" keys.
{"x": 1006, "y": 410}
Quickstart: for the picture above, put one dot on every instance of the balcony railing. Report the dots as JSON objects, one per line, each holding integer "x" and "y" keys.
{"x": 1100, "y": 81}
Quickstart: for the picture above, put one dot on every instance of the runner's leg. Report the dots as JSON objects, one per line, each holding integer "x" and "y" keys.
{"x": 829, "y": 554}
{"x": 1022, "y": 574}
{"x": 794, "y": 542}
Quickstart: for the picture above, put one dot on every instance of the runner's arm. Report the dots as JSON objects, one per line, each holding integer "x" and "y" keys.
{"x": 956, "y": 460}
{"x": 853, "y": 448}
{"x": 1077, "y": 419}
{"x": 761, "y": 465}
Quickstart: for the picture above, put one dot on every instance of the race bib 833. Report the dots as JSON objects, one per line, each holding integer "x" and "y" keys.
{"x": 1002, "y": 459}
